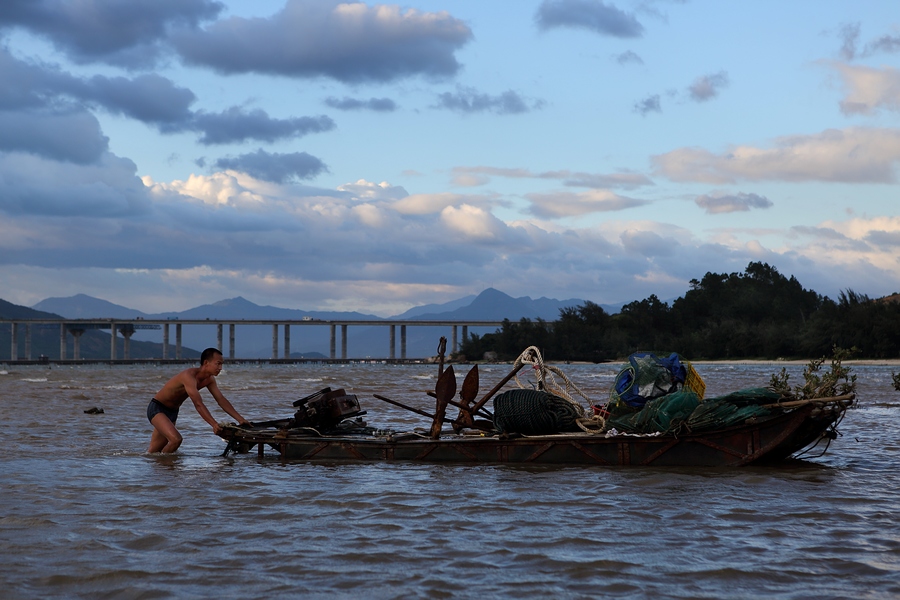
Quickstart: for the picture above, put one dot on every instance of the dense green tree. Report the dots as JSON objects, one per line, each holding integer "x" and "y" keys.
{"x": 759, "y": 313}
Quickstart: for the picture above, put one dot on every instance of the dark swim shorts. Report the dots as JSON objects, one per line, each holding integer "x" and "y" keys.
{"x": 155, "y": 407}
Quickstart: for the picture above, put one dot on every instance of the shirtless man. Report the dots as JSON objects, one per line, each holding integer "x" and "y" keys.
{"x": 163, "y": 409}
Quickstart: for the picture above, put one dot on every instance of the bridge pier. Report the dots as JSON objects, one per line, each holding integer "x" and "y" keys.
{"x": 178, "y": 341}
{"x": 62, "y": 341}
{"x": 274, "y": 341}
{"x": 219, "y": 337}
{"x": 112, "y": 340}
{"x": 127, "y": 331}
{"x": 392, "y": 343}
{"x": 343, "y": 341}
{"x": 403, "y": 342}
{"x": 27, "y": 341}
{"x": 332, "y": 344}
{"x": 76, "y": 344}
{"x": 231, "y": 341}
{"x": 14, "y": 341}
{"x": 287, "y": 340}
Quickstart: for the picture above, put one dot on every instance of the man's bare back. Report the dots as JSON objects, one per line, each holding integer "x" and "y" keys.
{"x": 163, "y": 409}
{"x": 174, "y": 392}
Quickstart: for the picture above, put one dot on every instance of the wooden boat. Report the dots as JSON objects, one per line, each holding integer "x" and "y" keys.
{"x": 338, "y": 436}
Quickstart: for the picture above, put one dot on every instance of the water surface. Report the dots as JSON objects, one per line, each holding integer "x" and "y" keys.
{"x": 84, "y": 512}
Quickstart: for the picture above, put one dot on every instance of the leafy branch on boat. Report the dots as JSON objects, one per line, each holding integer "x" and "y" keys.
{"x": 817, "y": 383}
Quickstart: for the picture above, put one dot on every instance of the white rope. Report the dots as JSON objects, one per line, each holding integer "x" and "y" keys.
{"x": 546, "y": 380}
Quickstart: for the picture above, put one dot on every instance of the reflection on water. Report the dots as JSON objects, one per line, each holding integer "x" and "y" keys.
{"x": 85, "y": 513}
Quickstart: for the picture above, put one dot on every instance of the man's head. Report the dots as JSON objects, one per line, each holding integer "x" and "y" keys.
{"x": 209, "y": 354}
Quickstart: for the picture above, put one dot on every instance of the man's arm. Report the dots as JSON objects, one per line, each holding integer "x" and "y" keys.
{"x": 190, "y": 387}
{"x": 213, "y": 388}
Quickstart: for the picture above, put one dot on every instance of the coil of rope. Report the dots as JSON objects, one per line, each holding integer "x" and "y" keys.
{"x": 546, "y": 381}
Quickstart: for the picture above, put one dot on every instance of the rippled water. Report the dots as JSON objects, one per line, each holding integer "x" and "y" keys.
{"x": 85, "y": 513}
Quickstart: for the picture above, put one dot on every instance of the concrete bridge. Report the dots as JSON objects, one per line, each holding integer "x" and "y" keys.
{"x": 77, "y": 327}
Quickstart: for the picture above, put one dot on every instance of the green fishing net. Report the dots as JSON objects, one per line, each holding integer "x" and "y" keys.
{"x": 682, "y": 412}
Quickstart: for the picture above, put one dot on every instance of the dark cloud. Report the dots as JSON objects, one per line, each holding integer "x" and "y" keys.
{"x": 150, "y": 98}
{"x": 889, "y": 44}
{"x": 628, "y": 57}
{"x": 588, "y": 14}
{"x": 69, "y": 135}
{"x": 707, "y": 87}
{"x": 123, "y": 32}
{"x": 648, "y": 244}
{"x": 884, "y": 239}
{"x": 626, "y": 181}
{"x": 349, "y": 41}
{"x": 147, "y": 98}
{"x": 827, "y": 233}
{"x": 850, "y": 37}
{"x": 277, "y": 168}
{"x": 648, "y": 105}
{"x": 376, "y": 104}
{"x": 728, "y": 203}
{"x": 108, "y": 188}
{"x": 480, "y": 175}
{"x": 469, "y": 100}
{"x": 238, "y": 125}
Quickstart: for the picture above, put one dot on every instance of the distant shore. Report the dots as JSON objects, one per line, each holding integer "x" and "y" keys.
{"x": 880, "y": 362}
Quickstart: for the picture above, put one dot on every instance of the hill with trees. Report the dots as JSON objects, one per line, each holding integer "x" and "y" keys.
{"x": 759, "y": 313}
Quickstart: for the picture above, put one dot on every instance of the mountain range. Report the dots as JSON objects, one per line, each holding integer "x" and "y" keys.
{"x": 256, "y": 341}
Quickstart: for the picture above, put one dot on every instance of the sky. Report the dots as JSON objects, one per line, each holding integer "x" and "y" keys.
{"x": 324, "y": 155}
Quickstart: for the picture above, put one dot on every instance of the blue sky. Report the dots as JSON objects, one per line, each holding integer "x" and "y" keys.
{"x": 319, "y": 155}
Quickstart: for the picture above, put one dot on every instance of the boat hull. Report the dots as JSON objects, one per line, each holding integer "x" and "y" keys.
{"x": 769, "y": 440}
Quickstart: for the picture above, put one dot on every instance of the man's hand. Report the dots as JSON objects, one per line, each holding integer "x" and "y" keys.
{"x": 217, "y": 428}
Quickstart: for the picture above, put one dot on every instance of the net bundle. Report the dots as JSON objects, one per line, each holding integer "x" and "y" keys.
{"x": 534, "y": 412}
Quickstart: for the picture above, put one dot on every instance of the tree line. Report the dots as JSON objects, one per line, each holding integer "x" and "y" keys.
{"x": 759, "y": 313}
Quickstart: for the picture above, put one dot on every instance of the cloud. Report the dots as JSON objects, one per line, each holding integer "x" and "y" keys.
{"x": 648, "y": 105}
{"x": 628, "y": 57}
{"x": 469, "y": 100}
{"x": 855, "y": 155}
{"x": 126, "y": 32}
{"x": 277, "y": 168}
{"x": 707, "y": 87}
{"x": 472, "y": 223}
{"x": 887, "y": 43}
{"x": 106, "y": 188}
{"x": 717, "y": 203}
{"x": 366, "y": 190}
{"x": 593, "y": 15}
{"x": 68, "y": 135}
{"x": 429, "y": 204}
{"x": 147, "y": 98}
{"x": 647, "y": 243}
{"x": 346, "y": 41}
{"x": 238, "y": 125}
{"x": 889, "y": 240}
{"x": 474, "y": 176}
{"x": 566, "y": 204}
{"x": 866, "y": 89}
{"x": 850, "y": 39}
{"x": 374, "y": 104}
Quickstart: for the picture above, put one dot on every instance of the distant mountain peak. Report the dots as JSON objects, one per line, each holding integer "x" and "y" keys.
{"x": 236, "y": 301}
